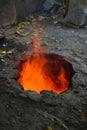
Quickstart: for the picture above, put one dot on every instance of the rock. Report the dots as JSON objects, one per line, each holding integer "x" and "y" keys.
{"x": 85, "y": 42}
{"x": 7, "y": 12}
{"x": 33, "y": 95}
{"x": 77, "y": 12}
{"x": 26, "y": 7}
{"x": 50, "y": 98}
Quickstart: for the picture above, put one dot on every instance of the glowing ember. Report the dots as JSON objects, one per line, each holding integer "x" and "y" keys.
{"x": 44, "y": 71}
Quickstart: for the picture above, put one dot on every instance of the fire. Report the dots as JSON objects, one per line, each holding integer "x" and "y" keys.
{"x": 44, "y": 71}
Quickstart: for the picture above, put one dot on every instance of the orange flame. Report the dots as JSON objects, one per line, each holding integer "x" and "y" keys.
{"x": 43, "y": 71}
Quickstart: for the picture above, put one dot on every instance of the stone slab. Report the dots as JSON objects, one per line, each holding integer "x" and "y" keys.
{"x": 26, "y": 7}
{"x": 7, "y": 12}
{"x": 76, "y": 13}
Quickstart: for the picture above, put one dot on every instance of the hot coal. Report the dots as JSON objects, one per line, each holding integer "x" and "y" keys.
{"x": 55, "y": 73}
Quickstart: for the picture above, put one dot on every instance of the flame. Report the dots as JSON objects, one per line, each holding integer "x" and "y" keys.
{"x": 43, "y": 71}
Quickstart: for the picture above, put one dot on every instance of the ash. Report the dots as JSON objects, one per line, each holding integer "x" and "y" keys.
{"x": 27, "y": 110}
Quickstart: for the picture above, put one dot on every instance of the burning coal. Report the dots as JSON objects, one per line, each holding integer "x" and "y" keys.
{"x": 44, "y": 71}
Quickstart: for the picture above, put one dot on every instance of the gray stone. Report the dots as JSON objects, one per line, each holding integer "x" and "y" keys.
{"x": 50, "y": 98}
{"x": 33, "y": 96}
{"x": 26, "y": 7}
{"x": 23, "y": 8}
{"x": 7, "y": 12}
{"x": 77, "y": 13}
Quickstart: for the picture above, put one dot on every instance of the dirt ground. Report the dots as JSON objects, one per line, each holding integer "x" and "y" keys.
{"x": 25, "y": 110}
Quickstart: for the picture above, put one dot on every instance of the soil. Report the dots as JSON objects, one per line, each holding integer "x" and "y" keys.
{"x": 27, "y": 110}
